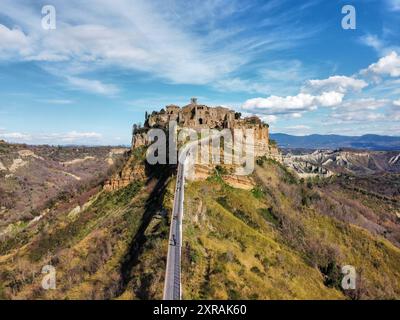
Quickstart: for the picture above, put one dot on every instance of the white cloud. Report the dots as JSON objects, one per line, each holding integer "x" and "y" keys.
{"x": 94, "y": 86}
{"x": 394, "y": 5}
{"x": 134, "y": 36}
{"x": 73, "y": 137}
{"x": 76, "y": 136}
{"x": 331, "y": 92}
{"x": 361, "y": 105}
{"x": 337, "y": 83}
{"x": 382, "y": 45}
{"x": 364, "y": 110}
{"x": 386, "y": 66}
{"x": 240, "y": 85}
{"x": 165, "y": 39}
{"x": 387, "y": 87}
{"x": 372, "y": 41}
{"x": 356, "y": 116}
{"x": 394, "y": 111}
{"x": 279, "y": 76}
{"x": 269, "y": 118}
{"x": 13, "y": 42}
{"x": 396, "y": 117}
{"x": 292, "y": 104}
{"x": 299, "y": 127}
{"x": 284, "y": 77}
{"x": 280, "y": 70}
{"x": 56, "y": 101}
{"x": 296, "y": 115}
{"x": 329, "y": 99}
{"x": 15, "y": 136}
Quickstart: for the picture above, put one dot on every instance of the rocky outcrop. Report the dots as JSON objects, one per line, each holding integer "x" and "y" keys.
{"x": 131, "y": 172}
{"x": 139, "y": 139}
{"x": 17, "y": 163}
{"x": 308, "y": 165}
{"x": 202, "y": 172}
{"x": 29, "y": 153}
{"x": 328, "y": 162}
{"x": 77, "y": 161}
{"x": 240, "y": 182}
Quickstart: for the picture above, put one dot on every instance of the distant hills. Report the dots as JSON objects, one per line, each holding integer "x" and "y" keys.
{"x": 317, "y": 141}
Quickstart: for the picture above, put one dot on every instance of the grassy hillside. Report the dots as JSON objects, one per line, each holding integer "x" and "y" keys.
{"x": 34, "y": 177}
{"x": 103, "y": 246}
{"x": 285, "y": 239}
{"x": 275, "y": 243}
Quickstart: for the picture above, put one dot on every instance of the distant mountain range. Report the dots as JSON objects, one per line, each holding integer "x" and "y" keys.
{"x": 316, "y": 141}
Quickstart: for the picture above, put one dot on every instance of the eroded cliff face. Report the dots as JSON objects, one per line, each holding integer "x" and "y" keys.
{"x": 202, "y": 172}
{"x": 140, "y": 139}
{"x": 130, "y": 173}
{"x": 134, "y": 170}
{"x": 329, "y": 162}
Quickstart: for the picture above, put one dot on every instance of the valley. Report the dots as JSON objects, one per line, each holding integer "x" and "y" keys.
{"x": 285, "y": 238}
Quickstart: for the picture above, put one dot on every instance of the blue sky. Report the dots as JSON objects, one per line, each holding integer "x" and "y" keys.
{"x": 107, "y": 62}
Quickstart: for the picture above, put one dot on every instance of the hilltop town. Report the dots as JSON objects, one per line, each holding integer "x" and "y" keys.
{"x": 197, "y": 117}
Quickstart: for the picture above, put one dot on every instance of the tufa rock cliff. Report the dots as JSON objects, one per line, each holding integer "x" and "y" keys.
{"x": 197, "y": 117}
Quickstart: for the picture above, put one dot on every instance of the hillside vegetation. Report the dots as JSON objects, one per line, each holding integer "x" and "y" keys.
{"x": 286, "y": 239}
{"x": 103, "y": 246}
{"x": 279, "y": 242}
{"x": 32, "y": 178}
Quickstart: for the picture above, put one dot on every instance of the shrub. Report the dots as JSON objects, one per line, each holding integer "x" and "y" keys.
{"x": 332, "y": 275}
{"x": 220, "y": 170}
{"x": 269, "y": 215}
{"x": 257, "y": 271}
{"x": 258, "y": 192}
